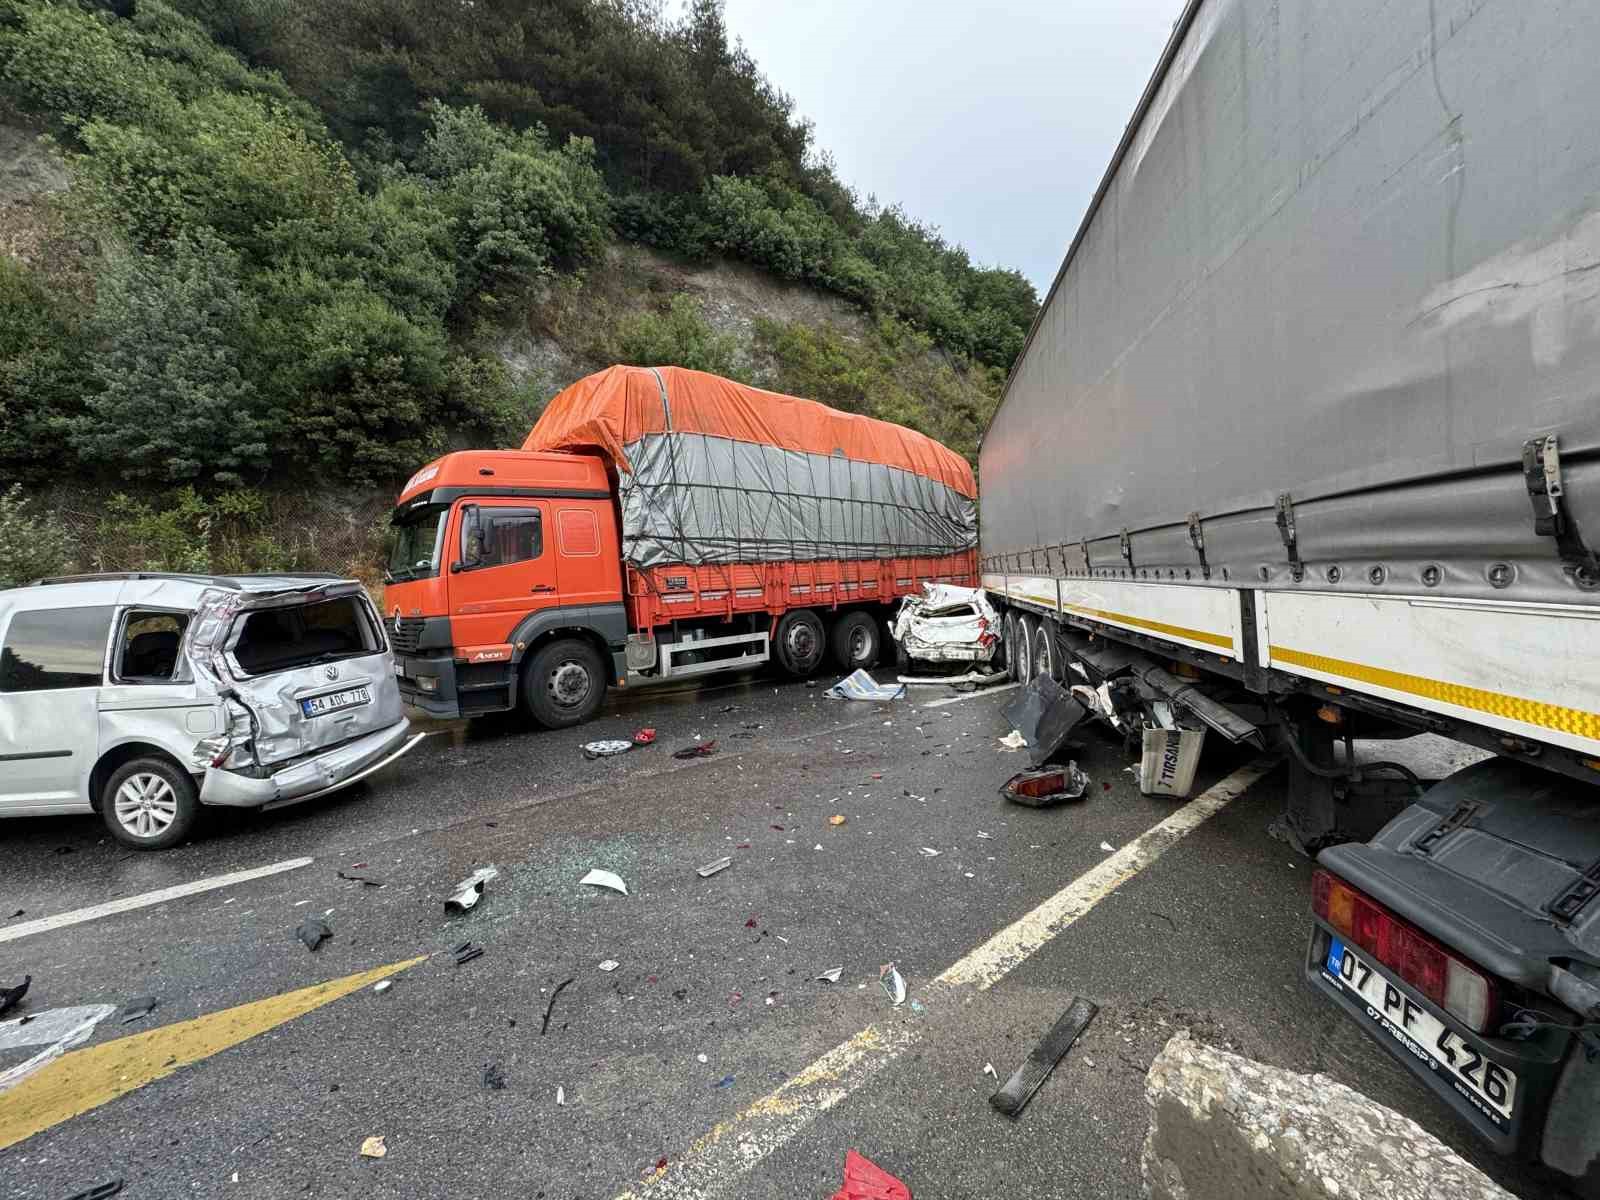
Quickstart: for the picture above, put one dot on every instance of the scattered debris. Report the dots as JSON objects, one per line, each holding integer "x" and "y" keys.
{"x": 606, "y": 748}
{"x": 811, "y": 683}
{"x": 373, "y": 1147}
{"x": 831, "y": 975}
{"x": 494, "y": 1079}
{"x": 988, "y": 1069}
{"x": 1043, "y": 713}
{"x": 893, "y": 984}
{"x": 21, "y": 912}
{"x": 143, "y": 1006}
{"x": 605, "y": 879}
{"x": 313, "y": 931}
{"x": 609, "y": 965}
{"x": 470, "y": 890}
{"x": 701, "y": 1059}
{"x": 971, "y": 681}
{"x": 551, "y": 1004}
{"x": 918, "y": 1007}
{"x": 930, "y": 852}
{"x": 382, "y": 986}
{"x": 1042, "y": 788}
{"x": 644, "y": 737}
{"x": 99, "y": 1191}
{"x": 466, "y": 952}
{"x": 1108, "y": 847}
{"x": 1014, "y": 741}
{"x": 11, "y": 995}
{"x": 711, "y": 868}
{"x": 988, "y": 837}
{"x": 355, "y": 877}
{"x": 858, "y": 685}
{"x": 836, "y": 820}
{"x": 725, "y": 1082}
{"x": 1026, "y": 1080}
{"x": 750, "y": 924}
{"x": 865, "y": 1180}
{"x": 698, "y": 750}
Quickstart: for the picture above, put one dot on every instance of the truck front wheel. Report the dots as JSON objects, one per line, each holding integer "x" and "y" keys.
{"x": 800, "y": 642}
{"x": 856, "y": 641}
{"x": 563, "y": 683}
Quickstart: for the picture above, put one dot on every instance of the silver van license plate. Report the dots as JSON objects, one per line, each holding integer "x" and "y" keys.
{"x": 321, "y": 706}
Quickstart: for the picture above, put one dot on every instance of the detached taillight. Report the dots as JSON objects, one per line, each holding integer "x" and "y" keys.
{"x": 1450, "y": 982}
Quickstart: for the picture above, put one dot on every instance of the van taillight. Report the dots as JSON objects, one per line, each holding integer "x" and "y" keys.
{"x": 1450, "y": 982}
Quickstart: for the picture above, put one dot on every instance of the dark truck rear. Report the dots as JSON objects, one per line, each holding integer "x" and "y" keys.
{"x": 1309, "y": 427}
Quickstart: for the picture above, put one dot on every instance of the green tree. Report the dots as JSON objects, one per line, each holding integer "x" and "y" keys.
{"x": 175, "y": 401}
{"x": 679, "y": 337}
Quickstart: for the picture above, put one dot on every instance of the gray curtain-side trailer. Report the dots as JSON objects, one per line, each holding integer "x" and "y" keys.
{"x": 1313, "y": 407}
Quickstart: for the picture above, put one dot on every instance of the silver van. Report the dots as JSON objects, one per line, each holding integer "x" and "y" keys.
{"x": 143, "y": 696}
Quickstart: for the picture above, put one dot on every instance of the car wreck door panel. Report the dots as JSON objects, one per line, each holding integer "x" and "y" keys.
{"x": 505, "y": 568}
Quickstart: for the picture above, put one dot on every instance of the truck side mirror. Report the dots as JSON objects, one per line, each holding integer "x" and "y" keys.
{"x": 471, "y": 540}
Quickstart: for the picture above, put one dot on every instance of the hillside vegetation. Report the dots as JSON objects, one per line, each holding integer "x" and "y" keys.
{"x": 301, "y": 235}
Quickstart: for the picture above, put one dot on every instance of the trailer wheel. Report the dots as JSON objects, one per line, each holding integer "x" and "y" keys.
{"x": 1044, "y": 651}
{"x": 1008, "y": 634}
{"x": 800, "y": 642}
{"x": 1026, "y": 630}
{"x": 855, "y": 642}
{"x": 564, "y": 683}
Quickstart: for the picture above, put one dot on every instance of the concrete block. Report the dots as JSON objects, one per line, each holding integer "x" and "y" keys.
{"x": 1225, "y": 1128}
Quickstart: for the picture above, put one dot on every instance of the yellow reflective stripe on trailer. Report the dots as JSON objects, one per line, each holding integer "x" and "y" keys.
{"x": 1221, "y": 641}
{"x": 1512, "y": 708}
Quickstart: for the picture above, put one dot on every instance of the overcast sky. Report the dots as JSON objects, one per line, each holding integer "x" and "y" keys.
{"x": 993, "y": 121}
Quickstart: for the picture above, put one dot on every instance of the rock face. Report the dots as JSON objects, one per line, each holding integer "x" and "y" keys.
{"x": 1226, "y": 1128}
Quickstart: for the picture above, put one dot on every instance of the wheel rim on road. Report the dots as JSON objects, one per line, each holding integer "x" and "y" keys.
{"x": 146, "y": 805}
{"x": 569, "y": 684}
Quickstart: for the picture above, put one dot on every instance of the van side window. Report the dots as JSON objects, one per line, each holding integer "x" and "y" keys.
{"x": 54, "y": 648}
{"x": 148, "y": 651}
{"x": 510, "y": 535}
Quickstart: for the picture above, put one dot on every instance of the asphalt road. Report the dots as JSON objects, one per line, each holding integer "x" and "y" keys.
{"x": 1208, "y": 937}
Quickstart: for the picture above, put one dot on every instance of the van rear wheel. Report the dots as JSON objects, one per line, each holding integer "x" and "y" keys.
{"x": 564, "y": 683}
{"x": 149, "y": 804}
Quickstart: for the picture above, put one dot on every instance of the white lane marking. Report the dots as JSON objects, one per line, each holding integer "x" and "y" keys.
{"x": 989, "y": 691}
{"x": 128, "y": 903}
{"x": 715, "y": 1163}
{"x": 57, "y": 1030}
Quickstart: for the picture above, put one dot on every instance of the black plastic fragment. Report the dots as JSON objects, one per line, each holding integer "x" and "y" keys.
{"x": 99, "y": 1191}
{"x": 1025, "y": 1081}
{"x": 359, "y": 877}
{"x": 1044, "y": 713}
{"x": 494, "y": 1079}
{"x": 313, "y": 931}
{"x": 141, "y": 1006}
{"x": 11, "y": 995}
{"x": 466, "y": 952}
{"x": 550, "y": 1007}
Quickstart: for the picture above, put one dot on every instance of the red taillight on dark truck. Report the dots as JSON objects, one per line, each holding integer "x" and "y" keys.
{"x": 1450, "y": 982}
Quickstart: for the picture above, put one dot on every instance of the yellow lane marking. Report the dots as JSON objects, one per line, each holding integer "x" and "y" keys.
{"x": 85, "y": 1079}
{"x": 1183, "y": 631}
{"x": 1515, "y": 708}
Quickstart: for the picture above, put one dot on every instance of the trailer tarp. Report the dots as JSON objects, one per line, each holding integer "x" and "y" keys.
{"x": 1347, "y": 252}
{"x": 712, "y": 471}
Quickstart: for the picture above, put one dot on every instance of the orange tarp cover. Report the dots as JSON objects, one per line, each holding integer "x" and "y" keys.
{"x": 615, "y": 407}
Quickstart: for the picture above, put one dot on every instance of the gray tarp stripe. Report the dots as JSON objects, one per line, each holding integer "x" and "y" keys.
{"x": 676, "y": 505}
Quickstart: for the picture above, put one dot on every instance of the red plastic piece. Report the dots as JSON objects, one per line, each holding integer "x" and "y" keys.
{"x": 644, "y": 737}
{"x": 865, "y": 1180}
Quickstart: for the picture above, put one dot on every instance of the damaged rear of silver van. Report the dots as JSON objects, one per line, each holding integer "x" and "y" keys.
{"x": 307, "y": 686}
{"x": 144, "y": 696}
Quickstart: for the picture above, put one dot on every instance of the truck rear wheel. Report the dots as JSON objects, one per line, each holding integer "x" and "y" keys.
{"x": 856, "y": 641}
{"x": 1027, "y": 631}
{"x": 800, "y": 642}
{"x": 1008, "y": 632}
{"x": 563, "y": 683}
{"x": 1044, "y": 651}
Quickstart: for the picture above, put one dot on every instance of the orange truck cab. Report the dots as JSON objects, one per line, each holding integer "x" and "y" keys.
{"x": 662, "y": 523}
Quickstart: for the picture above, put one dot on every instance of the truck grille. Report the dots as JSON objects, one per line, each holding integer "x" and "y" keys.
{"x": 405, "y": 634}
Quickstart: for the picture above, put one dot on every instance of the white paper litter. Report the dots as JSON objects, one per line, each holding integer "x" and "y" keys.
{"x": 930, "y": 852}
{"x": 610, "y": 965}
{"x": 605, "y": 879}
{"x": 382, "y": 986}
{"x": 1013, "y": 741}
{"x": 1108, "y": 847}
{"x": 561, "y": 1096}
{"x": 830, "y": 976}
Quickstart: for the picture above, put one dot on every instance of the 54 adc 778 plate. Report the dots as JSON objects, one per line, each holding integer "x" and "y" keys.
{"x": 1489, "y": 1086}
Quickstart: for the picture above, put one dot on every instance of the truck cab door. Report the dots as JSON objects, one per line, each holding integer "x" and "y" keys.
{"x": 504, "y": 568}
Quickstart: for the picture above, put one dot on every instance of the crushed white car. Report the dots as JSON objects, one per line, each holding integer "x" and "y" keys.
{"x": 947, "y": 624}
